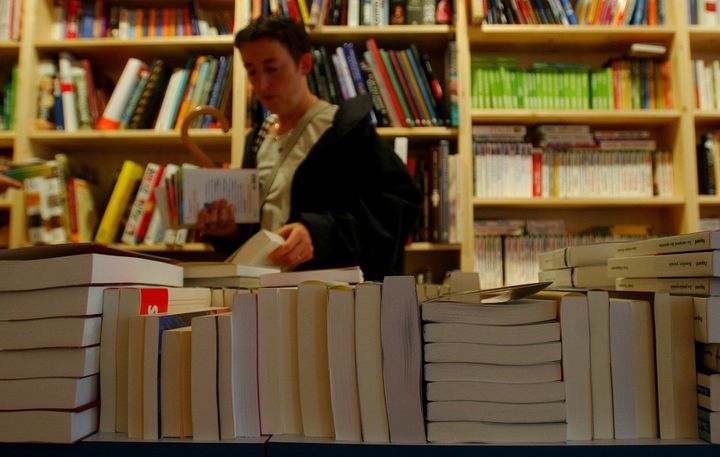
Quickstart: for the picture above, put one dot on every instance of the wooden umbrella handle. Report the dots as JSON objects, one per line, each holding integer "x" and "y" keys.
{"x": 189, "y": 143}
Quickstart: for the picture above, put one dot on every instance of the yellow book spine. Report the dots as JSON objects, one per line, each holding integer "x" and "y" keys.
{"x": 130, "y": 174}
{"x": 302, "y": 6}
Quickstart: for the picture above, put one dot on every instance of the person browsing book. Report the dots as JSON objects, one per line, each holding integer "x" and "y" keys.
{"x": 330, "y": 185}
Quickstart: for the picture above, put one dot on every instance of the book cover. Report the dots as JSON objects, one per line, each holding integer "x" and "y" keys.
{"x": 112, "y": 115}
{"x": 130, "y": 175}
{"x": 239, "y": 187}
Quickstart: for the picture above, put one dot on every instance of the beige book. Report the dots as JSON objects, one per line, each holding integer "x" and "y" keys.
{"x": 575, "y": 337}
{"x": 486, "y": 432}
{"x": 542, "y": 332}
{"x": 48, "y": 393}
{"x": 523, "y": 311}
{"x": 245, "y": 370}
{"x": 544, "y": 372}
{"x": 50, "y": 332}
{"x": 313, "y": 374}
{"x": 600, "y": 377}
{"x": 269, "y": 318}
{"x": 490, "y": 411}
{"x": 632, "y": 358}
{"x": 697, "y": 241}
{"x": 707, "y": 319}
{"x": 286, "y": 340}
{"x": 57, "y": 426}
{"x": 50, "y": 362}
{"x": 368, "y": 361}
{"x": 175, "y": 416}
{"x": 708, "y": 390}
{"x": 203, "y": 379}
{"x": 675, "y": 366}
{"x": 341, "y": 363}
{"x": 66, "y": 301}
{"x": 499, "y": 354}
{"x": 496, "y": 391}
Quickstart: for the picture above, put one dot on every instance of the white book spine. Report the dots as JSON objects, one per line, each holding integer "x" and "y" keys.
{"x": 110, "y": 119}
{"x": 68, "y": 93}
{"x": 150, "y": 177}
{"x": 168, "y": 101}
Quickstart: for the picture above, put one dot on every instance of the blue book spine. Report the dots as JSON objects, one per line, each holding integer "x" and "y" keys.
{"x": 692, "y": 8}
{"x": 569, "y": 12}
{"x": 181, "y": 90}
{"x": 418, "y": 78}
{"x": 59, "y": 118}
{"x": 159, "y": 23}
{"x": 217, "y": 87}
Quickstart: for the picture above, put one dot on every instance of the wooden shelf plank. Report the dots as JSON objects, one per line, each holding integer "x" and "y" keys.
{"x": 9, "y": 51}
{"x": 618, "y": 117}
{"x": 429, "y": 247}
{"x": 7, "y": 138}
{"x": 569, "y": 203}
{"x": 581, "y": 36}
{"x": 146, "y": 137}
{"x": 709, "y": 200}
{"x": 418, "y": 132}
{"x": 704, "y": 37}
{"x": 424, "y": 36}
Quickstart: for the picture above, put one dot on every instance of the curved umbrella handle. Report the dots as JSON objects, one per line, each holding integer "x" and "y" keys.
{"x": 189, "y": 143}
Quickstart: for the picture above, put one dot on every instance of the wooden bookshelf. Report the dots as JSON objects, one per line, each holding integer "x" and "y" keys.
{"x": 7, "y": 138}
{"x": 637, "y": 118}
{"x": 570, "y": 203}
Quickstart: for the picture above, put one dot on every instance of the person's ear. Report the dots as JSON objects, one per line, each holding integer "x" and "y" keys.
{"x": 306, "y": 63}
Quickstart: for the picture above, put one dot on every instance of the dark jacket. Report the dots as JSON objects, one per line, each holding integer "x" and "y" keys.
{"x": 353, "y": 194}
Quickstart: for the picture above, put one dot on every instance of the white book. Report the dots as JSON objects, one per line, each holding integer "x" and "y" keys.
{"x": 632, "y": 358}
{"x": 675, "y": 366}
{"x": 168, "y": 101}
{"x": 70, "y": 118}
{"x": 486, "y": 432}
{"x": 676, "y": 286}
{"x": 697, "y": 241}
{"x": 256, "y": 249}
{"x": 601, "y": 380}
{"x": 402, "y": 367}
{"x": 542, "y": 332}
{"x": 586, "y": 277}
{"x": 50, "y": 362}
{"x": 110, "y": 119}
{"x": 708, "y": 390}
{"x": 240, "y": 187}
{"x": 175, "y": 373}
{"x": 487, "y": 411}
{"x": 341, "y": 363}
{"x": 48, "y": 393}
{"x": 368, "y": 360}
{"x": 151, "y": 178}
{"x": 575, "y": 256}
{"x": 352, "y": 275}
{"x": 519, "y": 354}
{"x": 224, "y": 270}
{"x": 203, "y": 383}
{"x": 707, "y": 319}
{"x": 245, "y": 370}
{"x": 496, "y": 391}
{"x": 688, "y": 264}
{"x": 55, "y": 302}
{"x": 47, "y": 426}
{"x": 227, "y": 377}
{"x": 50, "y": 332}
{"x": 544, "y": 372}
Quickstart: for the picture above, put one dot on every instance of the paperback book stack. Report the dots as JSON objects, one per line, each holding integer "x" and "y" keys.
{"x": 577, "y": 266}
{"x": 50, "y": 320}
{"x": 682, "y": 265}
{"x": 493, "y": 370}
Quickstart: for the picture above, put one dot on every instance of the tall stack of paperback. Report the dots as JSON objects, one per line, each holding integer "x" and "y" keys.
{"x": 687, "y": 264}
{"x": 50, "y": 320}
{"x": 493, "y": 370}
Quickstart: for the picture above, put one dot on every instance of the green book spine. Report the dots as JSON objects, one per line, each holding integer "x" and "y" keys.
{"x": 396, "y": 88}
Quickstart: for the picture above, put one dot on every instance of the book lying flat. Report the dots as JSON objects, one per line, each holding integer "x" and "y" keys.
{"x": 495, "y": 391}
{"x": 50, "y": 362}
{"x": 51, "y": 332}
{"x": 523, "y": 354}
{"x": 542, "y": 332}
{"x": 352, "y": 275}
{"x": 48, "y": 393}
{"x": 487, "y": 411}
{"x": 486, "y": 432}
{"x": 517, "y": 312}
{"x": 256, "y": 249}
{"x": 544, "y": 372}
{"x": 698, "y": 241}
{"x": 224, "y": 269}
{"x": 675, "y": 286}
{"x": 48, "y": 426}
{"x": 575, "y": 256}
{"x": 55, "y": 302}
{"x": 705, "y": 263}
{"x": 84, "y": 269}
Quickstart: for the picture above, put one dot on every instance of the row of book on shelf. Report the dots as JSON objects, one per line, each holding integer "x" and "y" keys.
{"x": 542, "y": 367}
{"x": 706, "y": 84}
{"x": 101, "y": 19}
{"x": 567, "y": 12}
{"x": 72, "y": 96}
{"x": 8, "y": 96}
{"x": 404, "y": 88}
{"x": 704, "y": 12}
{"x": 568, "y": 161}
{"x": 500, "y": 83}
{"x": 10, "y": 20}
{"x": 357, "y": 12}
{"x": 150, "y": 204}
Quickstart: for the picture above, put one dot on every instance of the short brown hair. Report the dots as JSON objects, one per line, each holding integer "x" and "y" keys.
{"x": 287, "y": 31}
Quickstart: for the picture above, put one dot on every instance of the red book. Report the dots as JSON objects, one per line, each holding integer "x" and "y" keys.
{"x": 404, "y": 84}
{"x": 373, "y": 49}
{"x": 148, "y": 207}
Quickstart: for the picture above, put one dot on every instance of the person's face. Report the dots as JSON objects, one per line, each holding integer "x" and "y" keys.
{"x": 278, "y": 81}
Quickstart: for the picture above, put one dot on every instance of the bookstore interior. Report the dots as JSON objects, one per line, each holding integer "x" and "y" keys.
{"x": 568, "y": 155}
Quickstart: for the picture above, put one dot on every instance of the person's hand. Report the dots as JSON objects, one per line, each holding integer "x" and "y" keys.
{"x": 298, "y": 247}
{"x": 7, "y": 182}
{"x": 217, "y": 219}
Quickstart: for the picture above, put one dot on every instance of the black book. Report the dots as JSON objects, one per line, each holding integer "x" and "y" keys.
{"x": 436, "y": 88}
{"x": 381, "y": 113}
{"x": 318, "y": 75}
{"x": 331, "y": 76}
{"x": 149, "y": 103}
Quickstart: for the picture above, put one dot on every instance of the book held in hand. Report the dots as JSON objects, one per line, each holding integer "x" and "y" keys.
{"x": 240, "y": 187}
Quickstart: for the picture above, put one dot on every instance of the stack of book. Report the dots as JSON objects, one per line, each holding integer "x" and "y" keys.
{"x": 50, "y": 354}
{"x": 582, "y": 266}
{"x": 493, "y": 370}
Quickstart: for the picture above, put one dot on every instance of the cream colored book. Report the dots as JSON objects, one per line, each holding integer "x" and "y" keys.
{"x": 600, "y": 377}
{"x": 542, "y": 332}
{"x": 705, "y": 263}
{"x": 486, "y": 432}
{"x": 175, "y": 416}
{"x": 537, "y": 392}
{"x": 689, "y": 242}
{"x": 707, "y": 319}
{"x": 708, "y": 390}
{"x": 544, "y": 372}
{"x": 490, "y": 411}
{"x": 675, "y": 366}
{"x": 48, "y": 393}
{"x": 256, "y": 249}
{"x": 500, "y": 354}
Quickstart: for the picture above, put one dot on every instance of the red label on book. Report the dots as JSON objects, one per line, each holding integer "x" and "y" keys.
{"x": 153, "y": 301}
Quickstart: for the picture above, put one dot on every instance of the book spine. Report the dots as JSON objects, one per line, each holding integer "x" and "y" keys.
{"x": 383, "y": 72}
{"x": 146, "y": 108}
{"x": 395, "y": 90}
{"x": 120, "y": 97}
{"x": 68, "y": 94}
{"x": 130, "y": 174}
